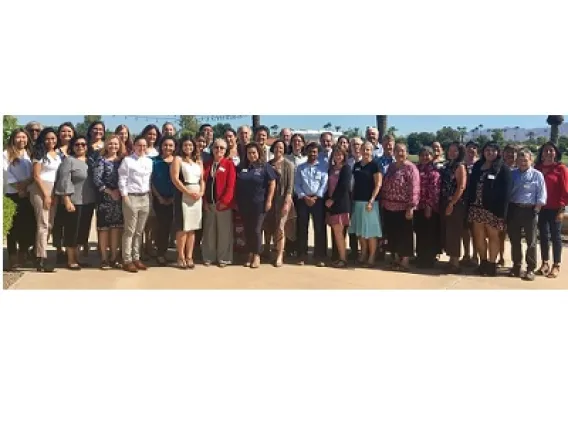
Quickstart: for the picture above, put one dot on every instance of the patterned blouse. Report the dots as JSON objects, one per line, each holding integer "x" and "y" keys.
{"x": 401, "y": 187}
{"x": 449, "y": 182}
{"x": 105, "y": 174}
{"x": 430, "y": 181}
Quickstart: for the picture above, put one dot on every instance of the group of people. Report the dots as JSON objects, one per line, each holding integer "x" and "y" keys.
{"x": 219, "y": 197}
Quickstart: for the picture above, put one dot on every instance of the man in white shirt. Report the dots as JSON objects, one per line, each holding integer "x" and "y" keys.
{"x": 372, "y": 135}
{"x": 286, "y": 136}
{"x": 260, "y": 137}
{"x": 134, "y": 185}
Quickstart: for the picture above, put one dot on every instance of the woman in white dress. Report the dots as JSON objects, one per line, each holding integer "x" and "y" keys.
{"x": 187, "y": 176}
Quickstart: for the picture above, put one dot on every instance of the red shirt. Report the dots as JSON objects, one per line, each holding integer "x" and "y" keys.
{"x": 429, "y": 186}
{"x": 225, "y": 179}
{"x": 556, "y": 180}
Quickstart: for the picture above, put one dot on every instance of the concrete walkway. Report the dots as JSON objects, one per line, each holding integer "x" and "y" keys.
{"x": 267, "y": 277}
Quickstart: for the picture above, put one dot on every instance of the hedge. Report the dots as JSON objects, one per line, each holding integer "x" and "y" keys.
{"x": 9, "y": 212}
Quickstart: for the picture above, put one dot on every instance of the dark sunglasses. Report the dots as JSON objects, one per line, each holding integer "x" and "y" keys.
{"x": 81, "y": 144}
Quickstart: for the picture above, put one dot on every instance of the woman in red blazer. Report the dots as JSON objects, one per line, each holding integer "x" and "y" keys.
{"x": 218, "y": 201}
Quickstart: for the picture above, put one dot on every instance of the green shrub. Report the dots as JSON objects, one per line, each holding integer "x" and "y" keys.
{"x": 9, "y": 212}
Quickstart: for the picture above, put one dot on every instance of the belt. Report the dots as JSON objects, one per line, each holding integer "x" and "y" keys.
{"x": 191, "y": 183}
{"x": 137, "y": 194}
{"x": 524, "y": 206}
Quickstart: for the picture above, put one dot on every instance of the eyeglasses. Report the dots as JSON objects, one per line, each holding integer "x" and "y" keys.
{"x": 81, "y": 144}
{"x": 35, "y": 130}
{"x": 220, "y": 147}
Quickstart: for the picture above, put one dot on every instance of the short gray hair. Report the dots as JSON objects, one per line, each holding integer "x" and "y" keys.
{"x": 525, "y": 151}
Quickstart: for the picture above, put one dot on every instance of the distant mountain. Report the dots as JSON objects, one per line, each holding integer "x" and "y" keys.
{"x": 520, "y": 134}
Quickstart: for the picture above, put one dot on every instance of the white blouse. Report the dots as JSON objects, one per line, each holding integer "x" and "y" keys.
{"x": 15, "y": 172}
{"x": 49, "y": 167}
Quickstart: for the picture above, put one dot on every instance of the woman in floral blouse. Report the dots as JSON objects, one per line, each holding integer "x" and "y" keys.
{"x": 109, "y": 204}
{"x": 399, "y": 197}
{"x": 426, "y": 217}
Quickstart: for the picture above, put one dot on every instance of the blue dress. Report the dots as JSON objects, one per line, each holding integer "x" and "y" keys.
{"x": 109, "y": 211}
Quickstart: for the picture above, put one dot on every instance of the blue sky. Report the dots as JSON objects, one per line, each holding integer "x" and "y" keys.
{"x": 404, "y": 123}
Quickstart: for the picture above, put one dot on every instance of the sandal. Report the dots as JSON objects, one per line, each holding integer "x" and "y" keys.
{"x": 74, "y": 267}
{"x": 181, "y": 264}
{"x": 189, "y": 264}
{"x": 554, "y": 272}
{"x": 544, "y": 269}
{"x": 340, "y": 264}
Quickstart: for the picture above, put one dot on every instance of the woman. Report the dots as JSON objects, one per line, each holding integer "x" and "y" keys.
{"x": 453, "y": 204}
{"x": 256, "y": 184}
{"x": 163, "y": 192}
{"x": 469, "y": 258}
{"x": 276, "y": 222}
{"x": 134, "y": 175}
{"x": 123, "y": 133}
{"x": 65, "y": 133}
{"x": 232, "y": 148}
{"x": 400, "y": 196}
{"x": 488, "y": 198}
{"x": 366, "y": 222}
{"x": 188, "y": 210}
{"x": 338, "y": 202}
{"x": 343, "y": 143}
{"x": 46, "y": 162}
{"x": 110, "y": 220}
{"x": 220, "y": 177}
{"x": 75, "y": 185}
{"x": 17, "y": 177}
{"x": 95, "y": 136}
{"x": 551, "y": 215}
{"x": 438, "y": 154}
{"x": 427, "y": 217}
{"x": 152, "y": 135}
{"x": 354, "y": 157}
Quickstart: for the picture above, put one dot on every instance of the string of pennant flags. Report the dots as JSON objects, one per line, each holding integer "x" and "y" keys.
{"x": 176, "y": 118}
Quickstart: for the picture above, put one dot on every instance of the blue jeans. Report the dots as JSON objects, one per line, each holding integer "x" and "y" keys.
{"x": 549, "y": 229}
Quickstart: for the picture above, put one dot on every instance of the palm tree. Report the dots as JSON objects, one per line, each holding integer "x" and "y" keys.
{"x": 480, "y": 127}
{"x": 337, "y": 128}
{"x": 463, "y": 131}
{"x": 274, "y": 128}
{"x": 327, "y": 126}
{"x": 554, "y": 121}
{"x": 531, "y": 135}
{"x": 255, "y": 121}
{"x": 382, "y": 125}
{"x": 392, "y": 130}
{"x": 515, "y": 135}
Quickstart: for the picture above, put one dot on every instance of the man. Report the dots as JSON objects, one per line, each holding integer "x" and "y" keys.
{"x": 310, "y": 184}
{"x": 387, "y": 157}
{"x": 206, "y": 130}
{"x": 510, "y": 155}
{"x": 243, "y": 138}
{"x": 326, "y": 142}
{"x": 286, "y": 136}
{"x": 34, "y": 128}
{"x": 527, "y": 198}
{"x": 260, "y": 137}
{"x": 372, "y": 135}
{"x": 168, "y": 129}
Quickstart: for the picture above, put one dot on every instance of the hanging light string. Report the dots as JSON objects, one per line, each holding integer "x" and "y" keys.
{"x": 177, "y": 118}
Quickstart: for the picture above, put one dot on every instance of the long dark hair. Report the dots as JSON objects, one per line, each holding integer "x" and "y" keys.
{"x": 149, "y": 127}
{"x": 180, "y": 152}
{"x": 40, "y": 150}
{"x": 169, "y": 138}
{"x": 90, "y": 128}
{"x": 454, "y": 164}
{"x": 558, "y": 157}
{"x": 497, "y": 164}
{"x": 66, "y": 124}
{"x": 253, "y": 145}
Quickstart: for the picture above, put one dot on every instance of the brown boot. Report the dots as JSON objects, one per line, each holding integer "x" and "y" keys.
{"x": 139, "y": 265}
{"x": 130, "y": 267}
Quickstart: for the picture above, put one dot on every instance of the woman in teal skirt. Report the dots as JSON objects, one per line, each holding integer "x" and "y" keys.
{"x": 365, "y": 222}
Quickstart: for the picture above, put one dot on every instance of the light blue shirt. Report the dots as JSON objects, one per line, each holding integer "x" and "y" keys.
{"x": 384, "y": 162}
{"x": 378, "y": 151}
{"x": 311, "y": 179}
{"x": 324, "y": 157}
{"x": 528, "y": 187}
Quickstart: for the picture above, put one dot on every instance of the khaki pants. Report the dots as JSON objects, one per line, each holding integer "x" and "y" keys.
{"x": 217, "y": 245}
{"x": 44, "y": 218}
{"x": 136, "y": 211}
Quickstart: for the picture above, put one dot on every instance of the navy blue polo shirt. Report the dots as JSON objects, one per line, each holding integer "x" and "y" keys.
{"x": 252, "y": 183}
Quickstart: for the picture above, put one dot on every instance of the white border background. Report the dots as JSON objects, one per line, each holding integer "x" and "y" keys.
{"x": 286, "y": 357}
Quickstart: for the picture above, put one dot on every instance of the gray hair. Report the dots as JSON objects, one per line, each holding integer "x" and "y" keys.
{"x": 525, "y": 151}
{"x": 427, "y": 149}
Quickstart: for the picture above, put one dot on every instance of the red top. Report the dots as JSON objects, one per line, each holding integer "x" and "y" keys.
{"x": 225, "y": 179}
{"x": 401, "y": 187}
{"x": 429, "y": 187}
{"x": 556, "y": 180}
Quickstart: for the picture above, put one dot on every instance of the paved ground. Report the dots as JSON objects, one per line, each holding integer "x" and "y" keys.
{"x": 267, "y": 277}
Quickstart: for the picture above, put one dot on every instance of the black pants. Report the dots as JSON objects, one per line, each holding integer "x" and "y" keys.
{"x": 164, "y": 219}
{"x": 549, "y": 230}
{"x": 399, "y": 233}
{"x": 252, "y": 224}
{"x": 291, "y": 247}
{"x": 518, "y": 219}
{"x": 22, "y": 234}
{"x": 57, "y": 230}
{"x": 452, "y": 228}
{"x": 77, "y": 224}
{"x": 317, "y": 212}
{"x": 427, "y": 234}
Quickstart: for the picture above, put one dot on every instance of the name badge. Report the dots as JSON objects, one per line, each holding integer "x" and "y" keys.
{"x": 357, "y": 169}
{"x": 244, "y": 170}
{"x": 491, "y": 177}
{"x": 527, "y": 186}
{"x": 221, "y": 169}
